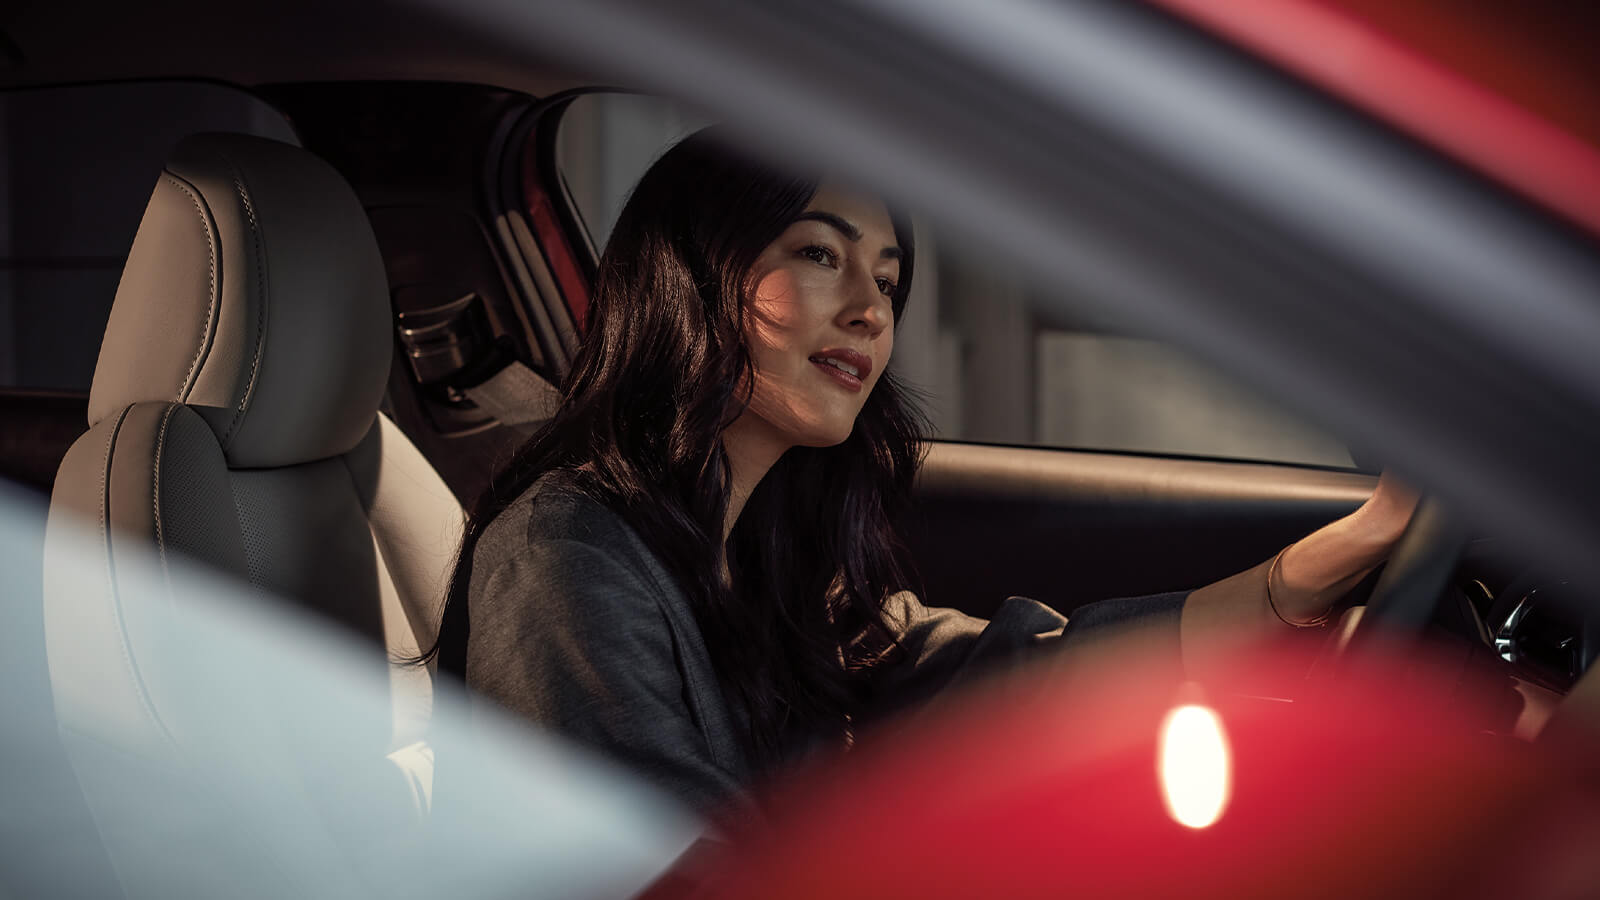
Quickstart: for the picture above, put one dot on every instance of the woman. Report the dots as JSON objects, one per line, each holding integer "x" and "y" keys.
{"x": 693, "y": 565}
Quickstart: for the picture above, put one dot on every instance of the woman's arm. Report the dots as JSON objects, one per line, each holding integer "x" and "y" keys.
{"x": 1299, "y": 585}
{"x": 1209, "y": 625}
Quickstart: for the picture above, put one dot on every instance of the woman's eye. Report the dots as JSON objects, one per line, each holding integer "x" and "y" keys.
{"x": 886, "y": 287}
{"x": 820, "y": 255}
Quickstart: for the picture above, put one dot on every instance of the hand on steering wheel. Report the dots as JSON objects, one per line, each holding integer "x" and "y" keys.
{"x": 1414, "y": 579}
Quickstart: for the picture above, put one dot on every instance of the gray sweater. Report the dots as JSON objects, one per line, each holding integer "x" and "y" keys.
{"x": 578, "y": 627}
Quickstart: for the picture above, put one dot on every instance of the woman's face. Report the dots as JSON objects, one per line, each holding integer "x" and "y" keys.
{"x": 821, "y": 325}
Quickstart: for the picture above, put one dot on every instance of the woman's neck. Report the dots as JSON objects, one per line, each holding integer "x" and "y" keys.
{"x": 753, "y": 446}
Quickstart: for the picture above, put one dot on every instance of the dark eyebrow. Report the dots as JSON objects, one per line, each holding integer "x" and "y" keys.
{"x": 843, "y": 226}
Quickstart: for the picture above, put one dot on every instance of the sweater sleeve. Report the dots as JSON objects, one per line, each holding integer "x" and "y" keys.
{"x": 568, "y": 637}
{"x": 943, "y": 647}
{"x": 1203, "y": 628}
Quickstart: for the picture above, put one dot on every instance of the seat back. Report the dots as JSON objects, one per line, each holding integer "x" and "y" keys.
{"x": 234, "y": 423}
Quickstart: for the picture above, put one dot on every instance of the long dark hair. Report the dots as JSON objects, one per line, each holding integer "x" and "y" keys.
{"x": 663, "y": 369}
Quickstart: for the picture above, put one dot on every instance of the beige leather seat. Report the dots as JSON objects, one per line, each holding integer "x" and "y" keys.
{"x": 234, "y": 421}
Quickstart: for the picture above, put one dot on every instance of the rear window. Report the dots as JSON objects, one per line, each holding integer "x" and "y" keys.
{"x": 77, "y": 171}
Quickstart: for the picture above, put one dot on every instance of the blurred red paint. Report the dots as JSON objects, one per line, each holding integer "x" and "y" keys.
{"x": 1511, "y": 89}
{"x": 1381, "y": 782}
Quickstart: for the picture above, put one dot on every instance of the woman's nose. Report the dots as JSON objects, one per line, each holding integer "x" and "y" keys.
{"x": 869, "y": 310}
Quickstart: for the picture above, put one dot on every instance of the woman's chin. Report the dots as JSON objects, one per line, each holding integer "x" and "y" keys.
{"x": 824, "y": 437}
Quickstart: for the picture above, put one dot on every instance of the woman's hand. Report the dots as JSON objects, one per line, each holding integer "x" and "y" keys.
{"x": 1388, "y": 511}
{"x": 1315, "y": 571}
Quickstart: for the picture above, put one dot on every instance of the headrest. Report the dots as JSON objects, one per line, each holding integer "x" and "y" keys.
{"x": 254, "y": 293}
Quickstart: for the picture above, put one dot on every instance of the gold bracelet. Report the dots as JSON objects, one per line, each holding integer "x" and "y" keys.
{"x": 1272, "y": 570}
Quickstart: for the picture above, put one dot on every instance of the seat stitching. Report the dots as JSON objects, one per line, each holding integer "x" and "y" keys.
{"x": 155, "y": 480}
{"x": 116, "y": 596}
{"x": 211, "y": 274}
{"x": 261, "y": 285}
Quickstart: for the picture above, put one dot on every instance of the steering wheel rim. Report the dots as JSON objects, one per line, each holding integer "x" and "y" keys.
{"x": 1413, "y": 582}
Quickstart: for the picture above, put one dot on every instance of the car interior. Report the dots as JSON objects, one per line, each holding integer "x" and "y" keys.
{"x": 282, "y": 304}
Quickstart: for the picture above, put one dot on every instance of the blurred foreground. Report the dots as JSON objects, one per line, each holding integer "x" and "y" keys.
{"x": 1396, "y": 776}
{"x": 1100, "y": 774}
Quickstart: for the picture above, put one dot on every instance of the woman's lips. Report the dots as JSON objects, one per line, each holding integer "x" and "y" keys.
{"x": 847, "y": 367}
{"x": 843, "y": 378}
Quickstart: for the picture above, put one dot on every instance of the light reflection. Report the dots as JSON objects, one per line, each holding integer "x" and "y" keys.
{"x": 1195, "y": 765}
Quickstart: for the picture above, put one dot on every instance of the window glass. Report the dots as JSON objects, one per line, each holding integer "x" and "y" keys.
{"x": 605, "y": 143}
{"x": 77, "y": 172}
{"x": 991, "y": 366}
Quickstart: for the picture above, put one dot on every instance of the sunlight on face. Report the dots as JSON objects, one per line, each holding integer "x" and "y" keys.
{"x": 821, "y": 324}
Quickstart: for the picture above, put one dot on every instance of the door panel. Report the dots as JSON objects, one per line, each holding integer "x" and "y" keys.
{"x": 1069, "y": 527}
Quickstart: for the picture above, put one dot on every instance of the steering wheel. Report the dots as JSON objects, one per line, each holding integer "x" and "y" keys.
{"x": 1413, "y": 582}
{"x": 1408, "y": 597}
